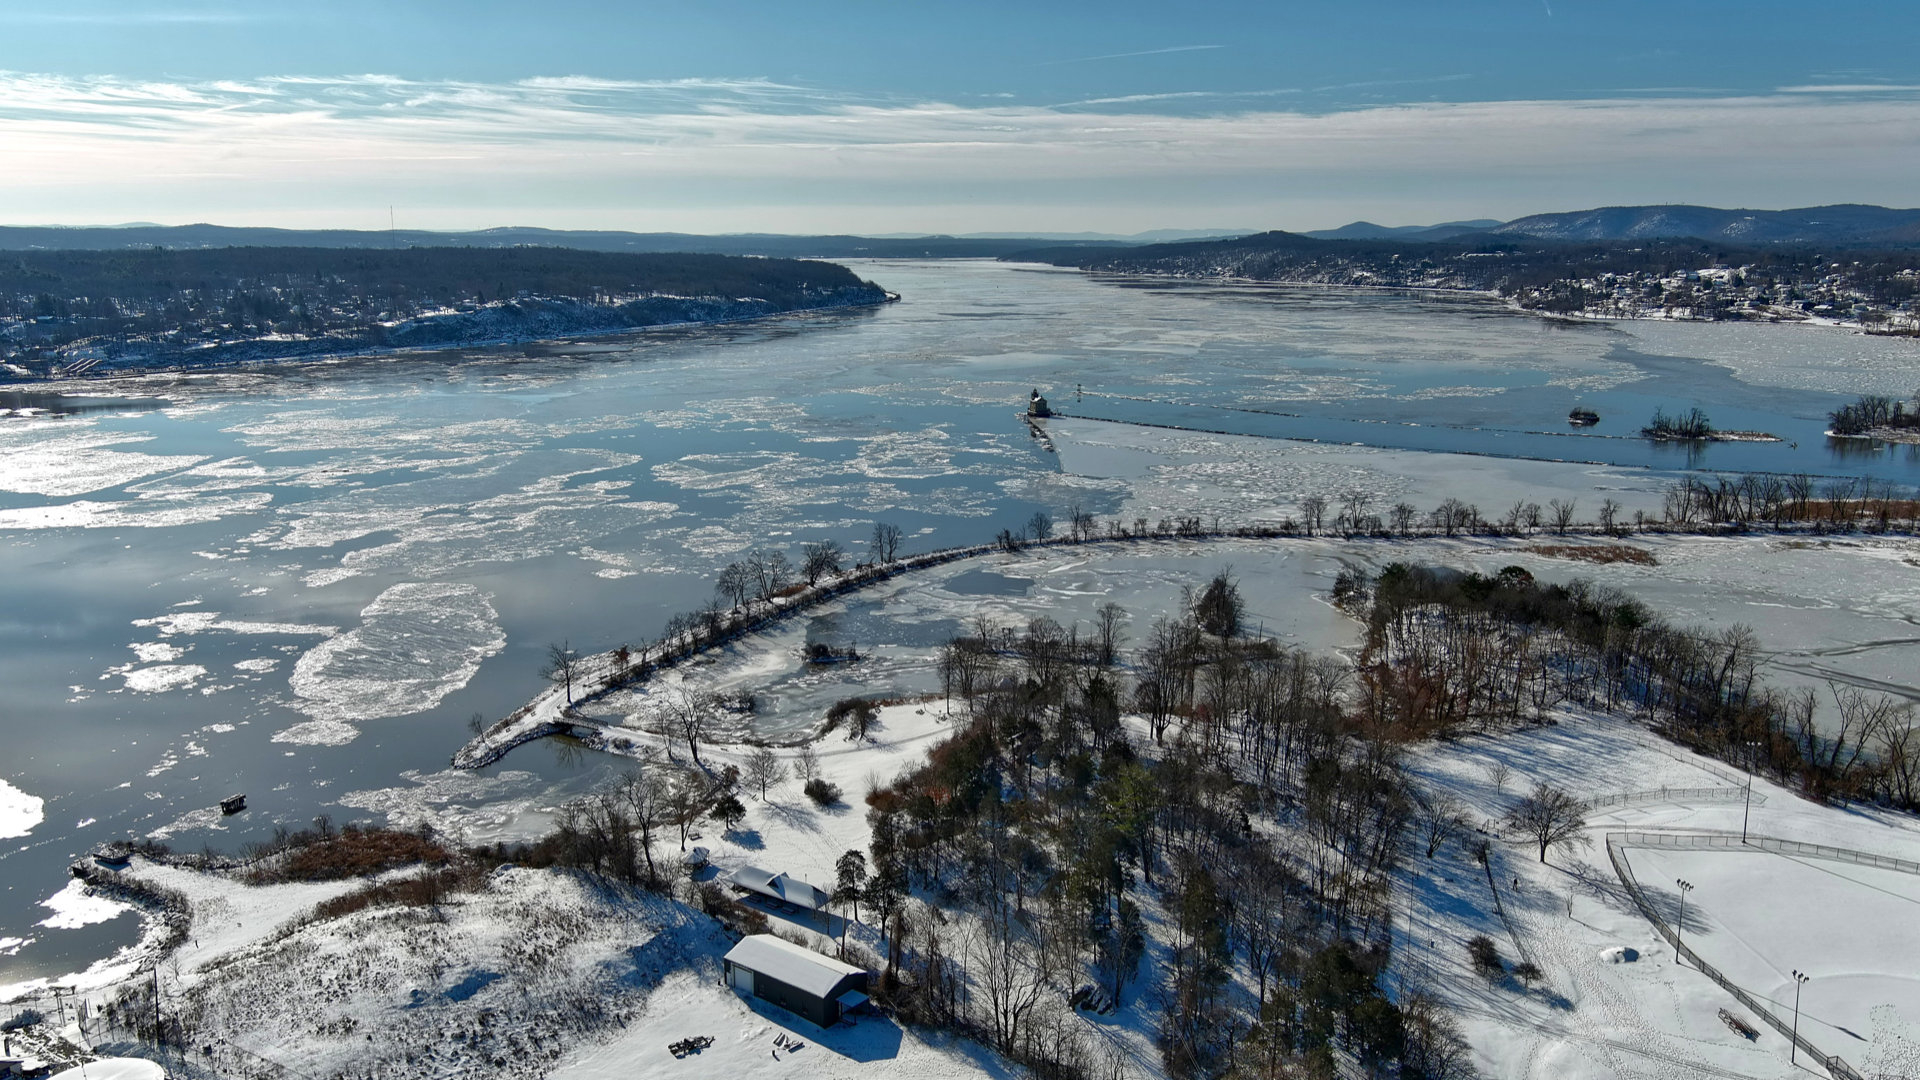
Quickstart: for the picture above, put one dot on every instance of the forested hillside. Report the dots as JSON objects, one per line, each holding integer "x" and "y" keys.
{"x": 67, "y": 312}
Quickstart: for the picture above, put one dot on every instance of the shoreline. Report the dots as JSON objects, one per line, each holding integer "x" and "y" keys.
{"x": 546, "y": 715}
{"x": 1812, "y": 321}
{"x": 105, "y": 374}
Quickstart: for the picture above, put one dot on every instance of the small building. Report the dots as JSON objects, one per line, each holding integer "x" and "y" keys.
{"x": 795, "y": 978}
{"x": 779, "y": 887}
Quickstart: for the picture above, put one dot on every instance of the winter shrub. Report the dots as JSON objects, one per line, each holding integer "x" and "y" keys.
{"x": 822, "y": 792}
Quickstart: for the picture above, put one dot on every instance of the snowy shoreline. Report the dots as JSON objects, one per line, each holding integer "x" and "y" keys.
{"x": 435, "y": 334}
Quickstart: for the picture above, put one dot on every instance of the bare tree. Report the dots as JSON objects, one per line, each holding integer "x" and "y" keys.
{"x": 647, "y": 798}
{"x": 1439, "y": 820}
{"x": 806, "y": 763}
{"x": 885, "y": 542}
{"x": 1562, "y": 511}
{"x": 1079, "y": 524}
{"x": 765, "y": 769}
{"x": 1550, "y": 817}
{"x": 690, "y": 713}
{"x": 1403, "y": 514}
{"x": 820, "y": 559}
{"x": 1497, "y": 774}
{"x": 1609, "y": 512}
{"x": 1452, "y": 515}
{"x": 1353, "y": 506}
{"x": 562, "y": 665}
{"x": 736, "y": 583}
{"x": 1313, "y": 510}
{"x": 1108, "y": 632}
{"x": 771, "y": 571}
{"x": 687, "y": 802}
{"x": 1040, "y": 525}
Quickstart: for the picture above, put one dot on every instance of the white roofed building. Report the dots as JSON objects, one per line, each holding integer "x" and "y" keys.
{"x": 795, "y": 978}
{"x": 781, "y": 887}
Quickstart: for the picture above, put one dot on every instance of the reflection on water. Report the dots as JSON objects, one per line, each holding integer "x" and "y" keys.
{"x": 28, "y": 402}
{"x": 1863, "y": 451}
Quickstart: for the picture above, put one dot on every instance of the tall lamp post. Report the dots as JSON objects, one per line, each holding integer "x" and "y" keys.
{"x": 1679, "y": 927}
{"x": 1747, "y": 811}
{"x": 1793, "y": 1046}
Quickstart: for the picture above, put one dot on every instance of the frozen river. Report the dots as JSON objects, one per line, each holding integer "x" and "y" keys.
{"x": 301, "y": 584}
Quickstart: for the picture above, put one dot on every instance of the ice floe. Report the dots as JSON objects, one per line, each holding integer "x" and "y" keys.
{"x": 163, "y": 677}
{"x": 19, "y": 811}
{"x": 76, "y": 906}
{"x": 416, "y": 643}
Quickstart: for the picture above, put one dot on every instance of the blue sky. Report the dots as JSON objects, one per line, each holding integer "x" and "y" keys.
{"x": 890, "y": 117}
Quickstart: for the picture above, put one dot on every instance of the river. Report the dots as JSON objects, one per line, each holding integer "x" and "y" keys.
{"x": 300, "y": 583}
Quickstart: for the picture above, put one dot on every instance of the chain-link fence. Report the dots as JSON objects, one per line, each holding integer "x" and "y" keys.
{"x": 1676, "y": 794}
{"x": 1617, "y": 843}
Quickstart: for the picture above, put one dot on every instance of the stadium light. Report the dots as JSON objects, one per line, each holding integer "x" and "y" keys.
{"x": 1800, "y": 979}
{"x": 1680, "y": 927}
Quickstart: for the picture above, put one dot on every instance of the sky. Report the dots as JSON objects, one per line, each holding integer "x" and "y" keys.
{"x": 867, "y": 117}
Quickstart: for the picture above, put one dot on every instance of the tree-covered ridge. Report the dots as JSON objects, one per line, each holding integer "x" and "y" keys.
{"x": 448, "y": 274}
{"x": 65, "y": 312}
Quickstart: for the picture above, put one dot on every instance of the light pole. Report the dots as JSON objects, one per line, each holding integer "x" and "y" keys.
{"x": 1747, "y": 811}
{"x": 1793, "y": 1045}
{"x": 1679, "y": 927}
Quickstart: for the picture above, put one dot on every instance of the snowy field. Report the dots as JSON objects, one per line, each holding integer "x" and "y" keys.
{"x": 1757, "y": 916}
{"x": 1594, "y": 1017}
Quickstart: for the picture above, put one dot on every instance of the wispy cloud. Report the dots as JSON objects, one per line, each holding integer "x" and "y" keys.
{"x": 584, "y": 150}
{"x": 1127, "y": 55}
{"x": 1850, "y": 88}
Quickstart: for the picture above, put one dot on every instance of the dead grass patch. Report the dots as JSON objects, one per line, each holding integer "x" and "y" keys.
{"x": 1596, "y": 553}
{"x": 348, "y": 854}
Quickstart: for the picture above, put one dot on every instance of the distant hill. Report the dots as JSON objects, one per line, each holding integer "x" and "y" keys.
{"x": 1151, "y": 236}
{"x": 1367, "y": 230}
{"x": 1845, "y": 224}
{"x": 109, "y": 238}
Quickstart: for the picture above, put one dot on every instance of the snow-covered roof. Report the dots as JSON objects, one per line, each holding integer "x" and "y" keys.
{"x": 780, "y": 887}
{"x": 795, "y": 965}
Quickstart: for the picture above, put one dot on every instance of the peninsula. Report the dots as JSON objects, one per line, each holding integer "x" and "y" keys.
{"x": 68, "y": 313}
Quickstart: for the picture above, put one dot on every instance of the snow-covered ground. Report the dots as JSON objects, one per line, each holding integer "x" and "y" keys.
{"x": 1593, "y": 1016}
{"x": 744, "y": 1047}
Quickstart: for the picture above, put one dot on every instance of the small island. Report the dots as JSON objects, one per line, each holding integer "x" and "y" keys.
{"x": 1581, "y": 416}
{"x": 1878, "y": 418}
{"x": 1694, "y": 426}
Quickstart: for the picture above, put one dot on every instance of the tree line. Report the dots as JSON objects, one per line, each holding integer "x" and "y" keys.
{"x": 1449, "y": 652}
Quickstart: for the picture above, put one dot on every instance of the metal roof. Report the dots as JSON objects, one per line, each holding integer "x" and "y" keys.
{"x": 780, "y": 887}
{"x": 797, "y": 966}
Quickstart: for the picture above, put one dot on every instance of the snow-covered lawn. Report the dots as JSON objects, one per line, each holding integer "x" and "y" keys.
{"x": 1757, "y": 916}
{"x": 744, "y": 1046}
{"x": 1594, "y": 1016}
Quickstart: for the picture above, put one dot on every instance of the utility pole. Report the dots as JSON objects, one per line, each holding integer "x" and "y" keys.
{"x": 1681, "y": 926}
{"x": 1800, "y": 979}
